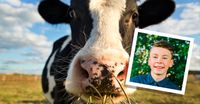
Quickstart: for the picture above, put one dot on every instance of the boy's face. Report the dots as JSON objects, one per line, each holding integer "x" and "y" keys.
{"x": 160, "y": 60}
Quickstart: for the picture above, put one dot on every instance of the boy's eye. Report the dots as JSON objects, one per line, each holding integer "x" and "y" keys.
{"x": 155, "y": 57}
{"x": 165, "y": 57}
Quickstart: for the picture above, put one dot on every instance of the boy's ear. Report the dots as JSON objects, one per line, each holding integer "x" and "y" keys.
{"x": 149, "y": 61}
{"x": 55, "y": 11}
{"x": 172, "y": 63}
{"x": 155, "y": 11}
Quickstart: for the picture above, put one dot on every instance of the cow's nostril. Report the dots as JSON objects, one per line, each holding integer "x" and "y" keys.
{"x": 84, "y": 73}
{"x": 121, "y": 75}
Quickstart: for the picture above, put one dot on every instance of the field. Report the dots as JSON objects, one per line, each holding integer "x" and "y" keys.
{"x": 21, "y": 89}
{"x": 26, "y": 89}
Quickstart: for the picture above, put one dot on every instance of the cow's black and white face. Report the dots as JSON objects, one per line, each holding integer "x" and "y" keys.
{"x": 103, "y": 60}
{"x": 103, "y": 31}
{"x": 106, "y": 17}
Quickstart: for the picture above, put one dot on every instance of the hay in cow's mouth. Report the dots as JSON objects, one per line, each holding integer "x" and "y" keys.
{"x": 109, "y": 100}
{"x": 105, "y": 97}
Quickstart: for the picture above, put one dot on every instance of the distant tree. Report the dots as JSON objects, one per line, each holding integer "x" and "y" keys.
{"x": 143, "y": 46}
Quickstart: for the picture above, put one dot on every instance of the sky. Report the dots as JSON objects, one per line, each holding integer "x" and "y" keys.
{"x": 26, "y": 39}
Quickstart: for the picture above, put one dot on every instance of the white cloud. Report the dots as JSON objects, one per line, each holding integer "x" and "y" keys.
{"x": 139, "y": 2}
{"x": 14, "y": 2}
{"x": 195, "y": 59}
{"x": 15, "y": 25}
{"x": 195, "y": 14}
{"x": 186, "y": 24}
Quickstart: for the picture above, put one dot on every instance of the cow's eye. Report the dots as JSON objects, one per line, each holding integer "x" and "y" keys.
{"x": 134, "y": 15}
{"x": 71, "y": 13}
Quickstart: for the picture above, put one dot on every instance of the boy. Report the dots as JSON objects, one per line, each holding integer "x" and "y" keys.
{"x": 160, "y": 60}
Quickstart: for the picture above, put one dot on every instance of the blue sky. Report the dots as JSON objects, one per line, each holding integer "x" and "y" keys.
{"x": 26, "y": 39}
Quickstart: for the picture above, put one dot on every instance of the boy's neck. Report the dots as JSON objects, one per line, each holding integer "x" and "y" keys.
{"x": 158, "y": 77}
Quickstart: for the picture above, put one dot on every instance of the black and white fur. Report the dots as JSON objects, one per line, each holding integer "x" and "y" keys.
{"x": 101, "y": 31}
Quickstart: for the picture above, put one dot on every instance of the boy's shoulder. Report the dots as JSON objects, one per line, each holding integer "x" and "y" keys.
{"x": 139, "y": 78}
{"x": 171, "y": 85}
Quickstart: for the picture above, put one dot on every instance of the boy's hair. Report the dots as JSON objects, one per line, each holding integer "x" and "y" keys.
{"x": 164, "y": 44}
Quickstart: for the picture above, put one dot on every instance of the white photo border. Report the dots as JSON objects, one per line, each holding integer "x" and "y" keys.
{"x": 135, "y": 84}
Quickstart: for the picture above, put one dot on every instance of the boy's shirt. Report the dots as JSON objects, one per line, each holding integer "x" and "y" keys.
{"x": 147, "y": 79}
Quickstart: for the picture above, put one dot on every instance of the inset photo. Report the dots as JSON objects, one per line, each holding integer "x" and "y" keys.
{"x": 159, "y": 61}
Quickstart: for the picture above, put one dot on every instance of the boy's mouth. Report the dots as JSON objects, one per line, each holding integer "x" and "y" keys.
{"x": 159, "y": 67}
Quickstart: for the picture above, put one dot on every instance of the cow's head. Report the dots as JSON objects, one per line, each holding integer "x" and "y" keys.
{"x": 103, "y": 29}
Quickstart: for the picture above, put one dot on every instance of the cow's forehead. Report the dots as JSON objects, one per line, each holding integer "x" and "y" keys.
{"x": 120, "y": 4}
{"x": 101, "y": 9}
{"x": 101, "y": 4}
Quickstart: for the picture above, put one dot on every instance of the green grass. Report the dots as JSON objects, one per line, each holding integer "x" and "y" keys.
{"x": 21, "y": 89}
{"x": 27, "y": 90}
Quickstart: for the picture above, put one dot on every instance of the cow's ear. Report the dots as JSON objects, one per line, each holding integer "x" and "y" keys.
{"x": 55, "y": 11}
{"x": 154, "y": 11}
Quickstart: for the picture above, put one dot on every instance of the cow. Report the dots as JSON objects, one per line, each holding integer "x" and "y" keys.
{"x": 91, "y": 63}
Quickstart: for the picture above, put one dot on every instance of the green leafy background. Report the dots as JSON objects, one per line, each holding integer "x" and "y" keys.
{"x": 143, "y": 45}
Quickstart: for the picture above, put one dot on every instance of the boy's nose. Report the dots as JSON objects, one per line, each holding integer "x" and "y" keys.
{"x": 159, "y": 60}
